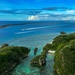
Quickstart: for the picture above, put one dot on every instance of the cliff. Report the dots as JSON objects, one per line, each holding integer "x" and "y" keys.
{"x": 64, "y": 45}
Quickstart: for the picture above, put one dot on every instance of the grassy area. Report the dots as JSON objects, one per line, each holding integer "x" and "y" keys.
{"x": 10, "y": 56}
{"x": 39, "y": 60}
{"x": 64, "y": 45}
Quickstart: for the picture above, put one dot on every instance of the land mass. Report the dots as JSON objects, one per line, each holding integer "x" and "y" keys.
{"x": 10, "y": 56}
{"x": 7, "y": 25}
{"x": 24, "y": 23}
{"x": 64, "y": 46}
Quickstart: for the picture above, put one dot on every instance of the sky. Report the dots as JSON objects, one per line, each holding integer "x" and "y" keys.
{"x": 37, "y": 10}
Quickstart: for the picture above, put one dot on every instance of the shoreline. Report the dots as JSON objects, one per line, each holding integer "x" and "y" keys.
{"x": 7, "y": 25}
{"x": 13, "y": 66}
{"x": 14, "y": 55}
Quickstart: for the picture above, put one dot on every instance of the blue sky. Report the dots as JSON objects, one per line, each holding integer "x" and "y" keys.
{"x": 37, "y": 9}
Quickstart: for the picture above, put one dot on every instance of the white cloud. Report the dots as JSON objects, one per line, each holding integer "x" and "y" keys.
{"x": 55, "y": 15}
{"x": 69, "y": 18}
{"x": 70, "y": 11}
{"x": 33, "y": 18}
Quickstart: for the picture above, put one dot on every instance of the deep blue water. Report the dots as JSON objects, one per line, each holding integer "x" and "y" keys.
{"x": 34, "y": 28}
{"x": 33, "y": 34}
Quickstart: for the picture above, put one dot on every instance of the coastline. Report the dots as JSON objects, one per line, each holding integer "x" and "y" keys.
{"x": 9, "y": 72}
{"x": 7, "y": 25}
{"x": 35, "y": 42}
{"x": 14, "y": 55}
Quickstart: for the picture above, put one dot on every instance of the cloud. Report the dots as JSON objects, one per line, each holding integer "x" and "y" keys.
{"x": 49, "y": 13}
{"x": 33, "y": 18}
{"x": 56, "y": 8}
{"x": 7, "y": 11}
{"x": 22, "y": 11}
{"x": 70, "y": 11}
{"x": 56, "y": 17}
{"x": 33, "y": 11}
{"x": 69, "y": 18}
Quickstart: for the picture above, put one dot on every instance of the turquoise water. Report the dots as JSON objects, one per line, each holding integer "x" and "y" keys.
{"x": 39, "y": 41}
{"x": 33, "y": 34}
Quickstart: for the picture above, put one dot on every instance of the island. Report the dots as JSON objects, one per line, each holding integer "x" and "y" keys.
{"x": 10, "y": 56}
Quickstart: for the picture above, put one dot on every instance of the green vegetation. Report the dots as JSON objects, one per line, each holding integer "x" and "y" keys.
{"x": 4, "y": 45}
{"x": 62, "y": 33}
{"x": 39, "y": 60}
{"x": 65, "y": 54}
{"x": 11, "y": 56}
{"x": 48, "y": 47}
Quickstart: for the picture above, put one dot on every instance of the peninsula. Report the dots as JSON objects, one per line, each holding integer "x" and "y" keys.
{"x": 10, "y": 56}
{"x": 64, "y": 46}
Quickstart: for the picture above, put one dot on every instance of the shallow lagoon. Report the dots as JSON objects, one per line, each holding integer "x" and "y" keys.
{"x": 39, "y": 41}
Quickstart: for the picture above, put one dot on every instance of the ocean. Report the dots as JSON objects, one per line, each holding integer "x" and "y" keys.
{"x": 33, "y": 28}
{"x": 33, "y": 34}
